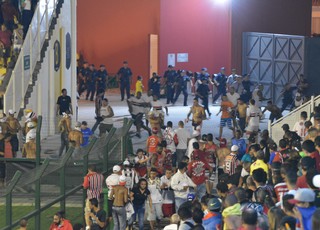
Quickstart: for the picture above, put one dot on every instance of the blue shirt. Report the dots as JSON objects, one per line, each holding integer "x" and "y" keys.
{"x": 241, "y": 143}
{"x": 246, "y": 158}
{"x": 86, "y": 135}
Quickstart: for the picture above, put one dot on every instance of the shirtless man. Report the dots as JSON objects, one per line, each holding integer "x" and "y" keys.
{"x": 222, "y": 153}
{"x": 119, "y": 194}
{"x": 198, "y": 114}
{"x": 75, "y": 136}
{"x": 29, "y": 148}
{"x": 13, "y": 128}
{"x": 65, "y": 128}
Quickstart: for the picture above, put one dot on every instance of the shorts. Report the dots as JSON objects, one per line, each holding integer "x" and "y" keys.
{"x": 223, "y": 122}
{"x": 168, "y": 210}
{"x": 157, "y": 212}
{"x": 252, "y": 128}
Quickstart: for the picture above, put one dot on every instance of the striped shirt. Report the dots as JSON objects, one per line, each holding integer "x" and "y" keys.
{"x": 231, "y": 164}
{"x": 93, "y": 183}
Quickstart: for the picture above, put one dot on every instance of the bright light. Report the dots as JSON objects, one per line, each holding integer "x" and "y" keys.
{"x": 220, "y": 1}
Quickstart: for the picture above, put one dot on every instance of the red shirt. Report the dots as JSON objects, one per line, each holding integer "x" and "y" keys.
{"x": 5, "y": 38}
{"x": 167, "y": 163}
{"x": 316, "y": 156}
{"x": 280, "y": 189}
{"x": 197, "y": 170}
{"x": 201, "y": 154}
{"x": 302, "y": 182}
{"x": 65, "y": 226}
{"x": 152, "y": 143}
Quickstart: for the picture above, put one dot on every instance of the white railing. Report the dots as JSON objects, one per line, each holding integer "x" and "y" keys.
{"x": 21, "y": 75}
{"x": 291, "y": 118}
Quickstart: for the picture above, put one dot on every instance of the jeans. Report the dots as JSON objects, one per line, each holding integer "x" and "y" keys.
{"x": 139, "y": 210}
{"x": 119, "y": 216}
{"x": 179, "y": 201}
{"x": 201, "y": 191}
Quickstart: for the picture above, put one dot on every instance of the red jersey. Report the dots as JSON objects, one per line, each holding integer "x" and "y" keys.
{"x": 211, "y": 150}
{"x": 231, "y": 164}
{"x": 197, "y": 170}
{"x": 140, "y": 168}
{"x": 167, "y": 163}
{"x": 64, "y": 226}
{"x": 280, "y": 189}
{"x": 158, "y": 164}
{"x": 316, "y": 156}
{"x": 302, "y": 182}
{"x": 152, "y": 143}
{"x": 201, "y": 155}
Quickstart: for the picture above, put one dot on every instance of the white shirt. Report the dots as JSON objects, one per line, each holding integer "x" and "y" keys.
{"x": 254, "y": 113}
{"x": 180, "y": 180}
{"x": 300, "y": 128}
{"x": 157, "y": 107}
{"x": 168, "y": 135}
{"x": 137, "y": 105}
{"x": 190, "y": 146}
{"x": 256, "y": 97}
{"x": 183, "y": 136}
{"x": 155, "y": 194}
{"x": 31, "y": 132}
{"x": 171, "y": 227}
{"x": 28, "y": 5}
{"x": 104, "y": 111}
{"x": 165, "y": 180}
{"x": 233, "y": 98}
{"x": 111, "y": 181}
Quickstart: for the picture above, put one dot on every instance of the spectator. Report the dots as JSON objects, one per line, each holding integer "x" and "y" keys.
{"x": 23, "y": 224}
{"x": 167, "y": 193}
{"x": 112, "y": 181}
{"x": 275, "y": 215}
{"x": 241, "y": 112}
{"x": 180, "y": 184}
{"x": 225, "y": 108}
{"x": 97, "y": 216}
{"x": 307, "y": 163}
{"x": 8, "y": 13}
{"x": 130, "y": 174}
{"x": 240, "y": 142}
{"x": 119, "y": 194}
{"x": 106, "y": 112}
{"x": 75, "y": 136}
{"x": 316, "y": 220}
{"x": 197, "y": 216}
{"x": 64, "y": 126}
{"x": 259, "y": 163}
{"x": 86, "y": 133}
{"x": 185, "y": 214}
{"x": 232, "y": 213}
{"x": 231, "y": 161}
{"x": 141, "y": 163}
{"x": 249, "y": 219}
{"x": 299, "y": 125}
{"x": 27, "y": 14}
{"x": 138, "y": 196}
{"x": 275, "y": 112}
{"x": 64, "y": 103}
{"x": 253, "y": 117}
{"x": 183, "y": 136}
{"x": 304, "y": 201}
{"x": 174, "y": 223}
{"x": 14, "y": 127}
{"x": 60, "y": 222}
{"x": 212, "y": 217}
{"x": 5, "y": 44}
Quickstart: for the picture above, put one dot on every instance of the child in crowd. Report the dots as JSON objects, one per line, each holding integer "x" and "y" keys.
{"x": 139, "y": 85}
{"x": 167, "y": 194}
{"x": 141, "y": 163}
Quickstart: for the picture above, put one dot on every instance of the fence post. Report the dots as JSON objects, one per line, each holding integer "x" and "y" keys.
{"x": 9, "y": 189}
{"x": 38, "y": 192}
{"x": 127, "y": 123}
{"x": 106, "y": 149}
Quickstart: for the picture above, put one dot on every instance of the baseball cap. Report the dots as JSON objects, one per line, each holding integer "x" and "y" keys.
{"x": 214, "y": 204}
{"x": 116, "y": 168}
{"x": 126, "y": 162}
{"x": 191, "y": 196}
{"x": 122, "y": 178}
{"x": 234, "y": 148}
{"x": 303, "y": 195}
{"x": 316, "y": 181}
{"x": 11, "y": 111}
{"x": 155, "y": 130}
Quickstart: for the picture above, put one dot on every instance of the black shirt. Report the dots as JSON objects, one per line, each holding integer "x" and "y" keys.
{"x": 101, "y": 215}
{"x": 125, "y": 74}
{"x": 64, "y": 103}
{"x": 138, "y": 197}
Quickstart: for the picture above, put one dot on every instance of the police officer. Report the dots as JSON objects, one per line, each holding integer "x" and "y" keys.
{"x": 102, "y": 75}
{"x": 82, "y": 77}
{"x": 91, "y": 82}
{"x": 125, "y": 75}
{"x": 170, "y": 76}
{"x": 220, "y": 81}
{"x": 203, "y": 93}
{"x": 182, "y": 85}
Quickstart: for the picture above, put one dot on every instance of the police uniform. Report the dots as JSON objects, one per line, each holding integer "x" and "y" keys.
{"x": 125, "y": 76}
{"x": 101, "y": 80}
{"x": 91, "y": 84}
{"x": 170, "y": 76}
{"x": 182, "y": 82}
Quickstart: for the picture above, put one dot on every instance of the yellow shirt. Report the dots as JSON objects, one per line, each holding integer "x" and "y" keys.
{"x": 139, "y": 86}
{"x": 259, "y": 164}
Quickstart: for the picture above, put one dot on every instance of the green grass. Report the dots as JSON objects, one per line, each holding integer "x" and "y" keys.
{"x": 74, "y": 214}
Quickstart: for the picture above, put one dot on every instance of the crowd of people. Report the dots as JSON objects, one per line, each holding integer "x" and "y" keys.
{"x": 15, "y": 18}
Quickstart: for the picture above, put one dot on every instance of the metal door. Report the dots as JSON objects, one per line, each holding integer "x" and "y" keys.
{"x": 273, "y": 60}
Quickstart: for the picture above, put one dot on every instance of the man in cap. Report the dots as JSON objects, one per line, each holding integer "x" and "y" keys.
{"x": 231, "y": 161}
{"x": 13, "y": 129}
{"x": 170, "y": 78}
{"x": 75, "y": 136}
{"x": 125, "y": 76}
{"x": 29, "y": 148}
{"x": 130, "y": 175}
{"x": 304, "y": 202}
{"x": 212, "y": 217}
{"x": 119, "y": 195}
{"x": 111, "y": 181}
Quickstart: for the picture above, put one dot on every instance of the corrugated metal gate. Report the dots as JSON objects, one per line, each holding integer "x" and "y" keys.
{"x": 273, "y": 60}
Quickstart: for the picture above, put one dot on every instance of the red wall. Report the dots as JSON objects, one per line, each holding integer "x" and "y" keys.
{"x": 199, "y": 28}
{"x": 268, "y": 16}
{"x": 111, "y": 31}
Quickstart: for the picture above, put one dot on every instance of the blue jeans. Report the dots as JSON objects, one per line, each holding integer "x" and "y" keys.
{"x": 119, "y": 216}
{"x": 140, "y": 210}
{"x": 201, "y": 190}
{"x": 179, "y": 201}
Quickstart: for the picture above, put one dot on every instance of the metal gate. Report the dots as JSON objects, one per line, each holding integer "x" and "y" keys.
{"x": 273, "y": 60}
